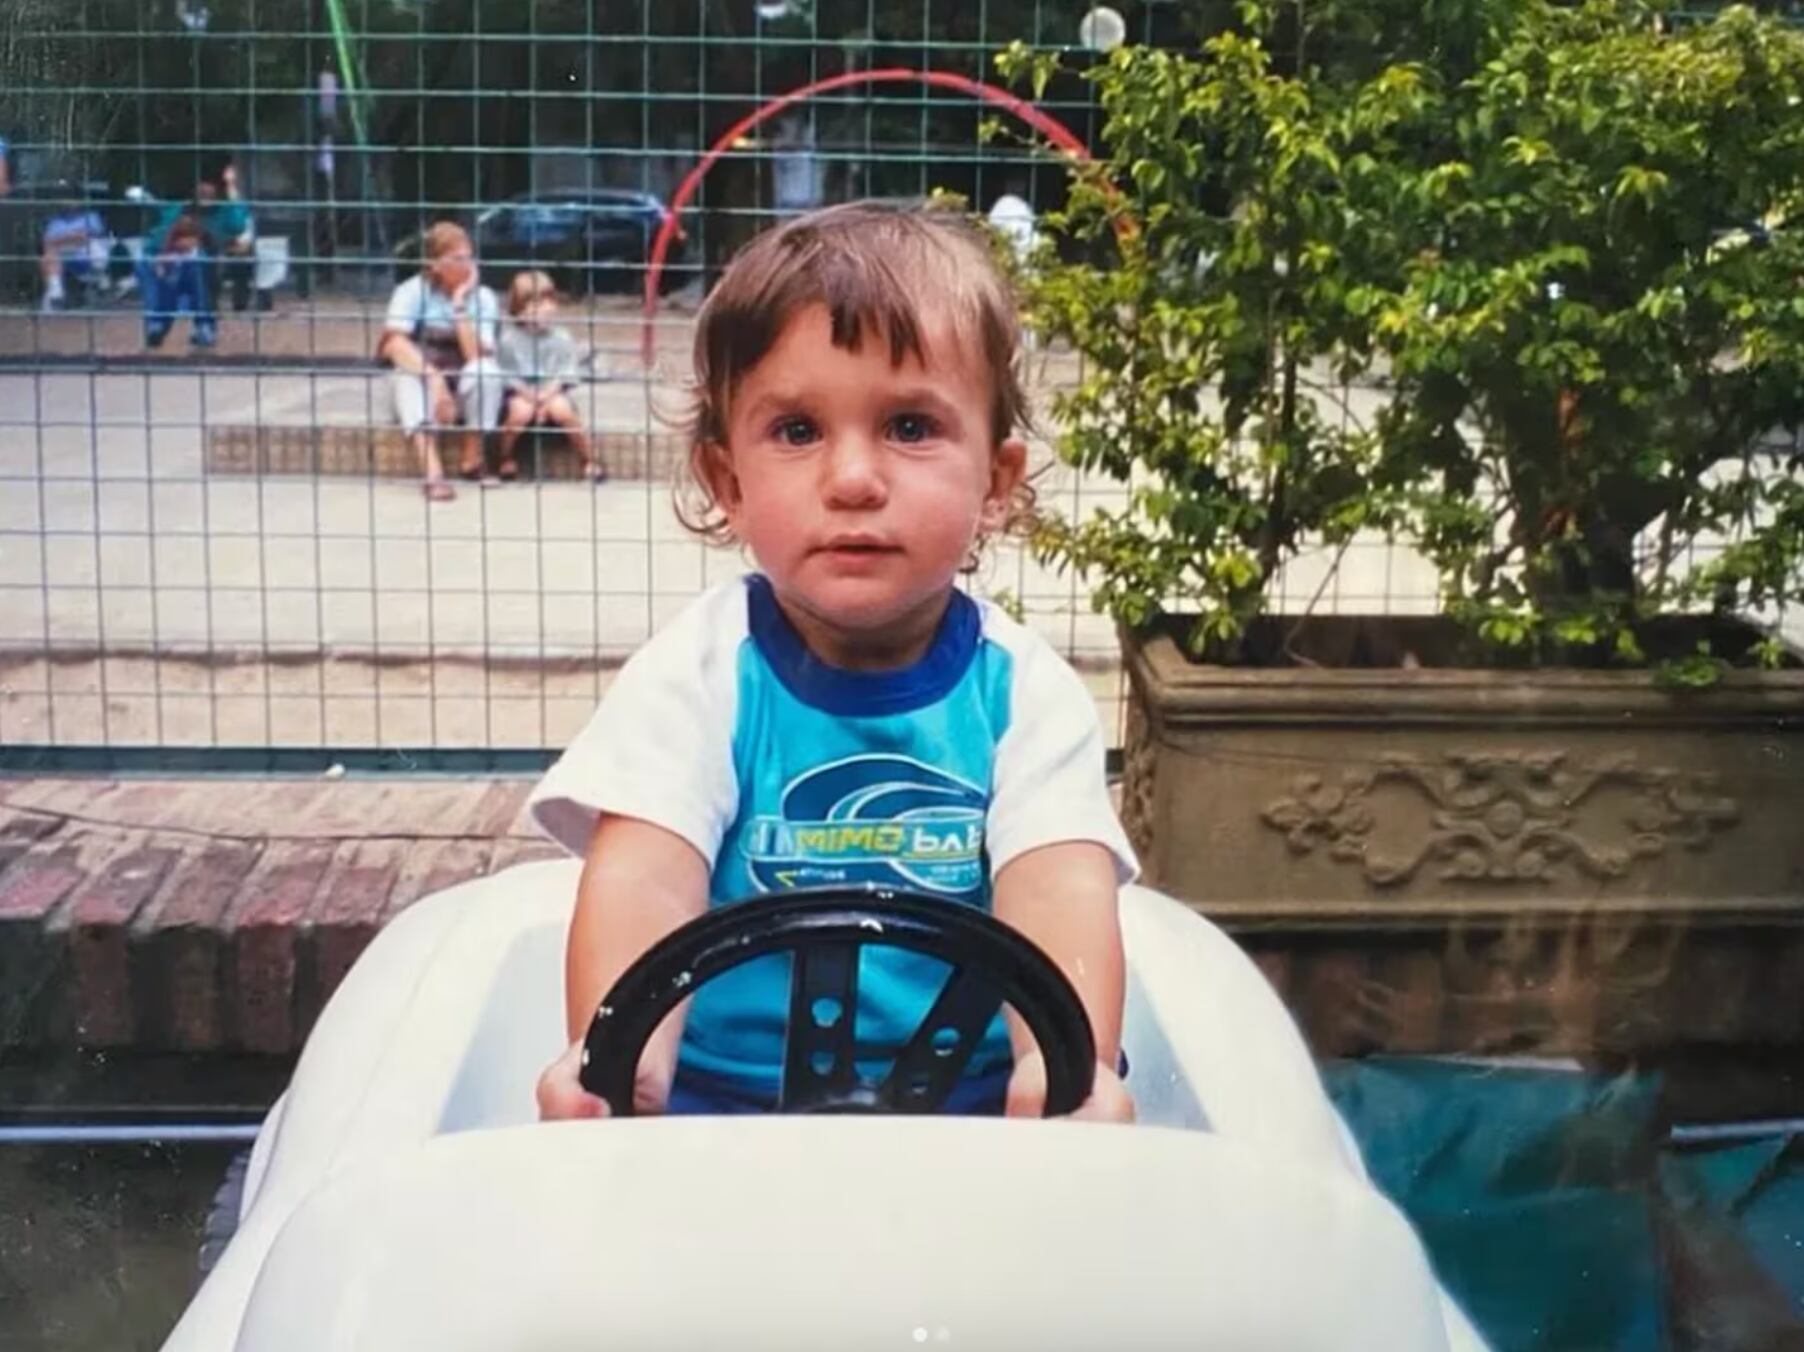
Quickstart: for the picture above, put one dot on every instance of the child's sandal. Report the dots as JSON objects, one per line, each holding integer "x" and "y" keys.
{"x": 509, "y": 470}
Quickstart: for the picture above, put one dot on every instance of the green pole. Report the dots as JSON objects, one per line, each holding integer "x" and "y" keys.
{"x": 350, "y": 71}
{"x": 351, "y": 76}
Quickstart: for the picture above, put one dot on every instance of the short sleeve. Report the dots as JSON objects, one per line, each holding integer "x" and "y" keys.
{"x": 404, "y": 308}
{"x": 1051, "y": 781}
{"x": 659, "y": 747}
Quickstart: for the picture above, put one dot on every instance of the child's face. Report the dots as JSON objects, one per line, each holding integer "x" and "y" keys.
{"x": 860, "y": 486}
{"x": 540, "y": 312}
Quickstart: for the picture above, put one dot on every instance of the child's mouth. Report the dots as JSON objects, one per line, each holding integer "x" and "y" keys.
{"x": 858, "y": 548}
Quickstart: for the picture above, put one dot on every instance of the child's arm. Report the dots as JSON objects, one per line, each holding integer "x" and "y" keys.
{"x": 639, "y": 883}
{"x": 559, "y": 365}
{"x": 1063, "y": 897}
{"x": 645, "y": 793}
{"x": 1059, "y": 857}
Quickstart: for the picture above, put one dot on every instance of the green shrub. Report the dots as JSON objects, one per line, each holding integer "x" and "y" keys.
{"x": 1567, "y": 265}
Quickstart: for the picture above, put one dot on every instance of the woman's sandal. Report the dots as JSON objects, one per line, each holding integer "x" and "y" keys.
{"x": 597, "y": 473}
{"x": 438, "y": 490}
{"x": 509, "y": 470}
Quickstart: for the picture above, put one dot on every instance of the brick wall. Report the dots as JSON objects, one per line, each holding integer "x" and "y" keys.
{"x": 218, "y": 915}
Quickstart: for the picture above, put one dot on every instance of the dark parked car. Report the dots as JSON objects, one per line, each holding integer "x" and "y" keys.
{"x": 589, "y": 240}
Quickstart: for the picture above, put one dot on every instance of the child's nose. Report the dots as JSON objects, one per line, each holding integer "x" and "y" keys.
{"x": 854, "y": 472}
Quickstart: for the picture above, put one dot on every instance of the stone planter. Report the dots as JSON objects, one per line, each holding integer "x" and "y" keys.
{"x": 1549, "y": 862}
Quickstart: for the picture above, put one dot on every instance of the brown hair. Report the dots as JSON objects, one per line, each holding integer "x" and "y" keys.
{"x": 527, "y": 288}
{"x": 444, "y": 237}
{"x": 883, "y": 270}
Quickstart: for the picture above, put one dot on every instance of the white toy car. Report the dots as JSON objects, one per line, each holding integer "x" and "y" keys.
{"x": 402, "y": 1195}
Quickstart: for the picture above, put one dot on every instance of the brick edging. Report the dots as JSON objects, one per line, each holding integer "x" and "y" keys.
{"x": 219, "y": 915}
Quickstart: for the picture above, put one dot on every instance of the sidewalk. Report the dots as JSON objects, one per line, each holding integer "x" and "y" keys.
{"x": 332, "y": 327}
{"x": 217, "y": 915}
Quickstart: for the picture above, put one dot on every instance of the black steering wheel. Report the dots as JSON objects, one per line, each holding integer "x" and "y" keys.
{"x": 825, "y": 929}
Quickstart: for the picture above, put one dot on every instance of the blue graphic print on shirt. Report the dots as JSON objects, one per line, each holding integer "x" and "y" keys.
{"x": 852, "y": 778}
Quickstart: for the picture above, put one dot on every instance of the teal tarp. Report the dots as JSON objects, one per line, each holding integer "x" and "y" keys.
{"x": 1554, "y": 1214}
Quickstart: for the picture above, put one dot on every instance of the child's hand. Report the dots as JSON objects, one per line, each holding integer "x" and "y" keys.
{"x": 561, "y": 1093}
{"x": 562, "y": 1096}
{"x": 1109, "y": 1099}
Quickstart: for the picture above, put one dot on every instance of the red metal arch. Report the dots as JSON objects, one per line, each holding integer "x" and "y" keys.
{"x": 1044, "y": 123}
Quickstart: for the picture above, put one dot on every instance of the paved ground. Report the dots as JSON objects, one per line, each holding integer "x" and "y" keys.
{"x": 296, "y": 610}
{"x": 301, "y": 610}
{"x": 337, "y": 327}
{"x": 305, "y": 610}
{"x": 338, "y": 701}
{"x": 112, "y": 535}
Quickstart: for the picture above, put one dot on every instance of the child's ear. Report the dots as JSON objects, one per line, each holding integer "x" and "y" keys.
{"x": 714, "y": 467}
{"x": 1008, "y": 467}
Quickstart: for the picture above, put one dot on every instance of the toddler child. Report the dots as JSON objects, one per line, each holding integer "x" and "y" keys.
{"x": 855, "y": 430}
{"x": 539, "y": 362}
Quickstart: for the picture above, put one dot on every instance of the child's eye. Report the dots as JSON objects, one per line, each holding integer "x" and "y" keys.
{"x": 911, "y": 427}
{"x": 794, "y": 431}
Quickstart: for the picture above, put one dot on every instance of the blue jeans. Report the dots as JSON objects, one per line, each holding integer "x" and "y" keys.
{"x": 180, "y": 285}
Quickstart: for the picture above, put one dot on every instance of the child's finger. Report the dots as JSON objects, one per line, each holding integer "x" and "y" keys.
{"x": 1027, "y": 1088}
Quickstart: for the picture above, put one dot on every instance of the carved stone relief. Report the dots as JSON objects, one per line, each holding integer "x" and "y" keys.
{"x": 1505, "y": 817}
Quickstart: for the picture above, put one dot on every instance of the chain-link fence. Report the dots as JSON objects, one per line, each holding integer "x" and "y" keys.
{"x": 212, "y": 531}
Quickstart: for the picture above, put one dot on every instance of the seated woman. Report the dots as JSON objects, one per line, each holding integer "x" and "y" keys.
{"x": 439, "y": 339}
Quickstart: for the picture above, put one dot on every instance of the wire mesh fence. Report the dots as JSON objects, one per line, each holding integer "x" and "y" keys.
{"x": 213, "y": 537}
{"x": 212, "y": 533}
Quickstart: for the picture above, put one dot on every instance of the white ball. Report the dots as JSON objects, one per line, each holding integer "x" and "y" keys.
{"x": 1102, "y": 29}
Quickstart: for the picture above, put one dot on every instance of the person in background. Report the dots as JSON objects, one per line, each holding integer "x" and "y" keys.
{"x": 1013, "y": 219}
{"x": 539, "y": 361}
{"x": 232, "y": 239}
{"x": 439, "y": 340}
{"x": 75, "y": 247}
{"x": 173, "y": 273}
{"x": 6, "y": 168}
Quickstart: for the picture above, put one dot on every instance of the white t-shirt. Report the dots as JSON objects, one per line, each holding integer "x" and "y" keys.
{"x": 423, "y": 313}
{"x": 784, "y": 772}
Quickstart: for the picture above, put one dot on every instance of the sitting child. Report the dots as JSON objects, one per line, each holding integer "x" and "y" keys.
{"x": 539, "y": 362}
{"x": 172, "y": 275}
{"x": 856, "y": 409}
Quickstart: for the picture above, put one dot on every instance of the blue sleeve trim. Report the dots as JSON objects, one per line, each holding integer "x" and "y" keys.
{"x": 835, "y": 690}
